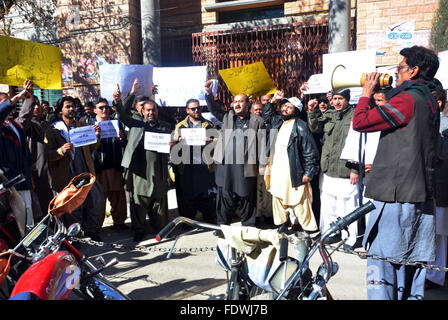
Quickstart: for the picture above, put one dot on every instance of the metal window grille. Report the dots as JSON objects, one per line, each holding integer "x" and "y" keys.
{"x": 291, "y": 53}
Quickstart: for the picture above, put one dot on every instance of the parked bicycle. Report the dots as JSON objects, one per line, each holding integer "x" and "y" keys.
{"x": 272, "y": 264}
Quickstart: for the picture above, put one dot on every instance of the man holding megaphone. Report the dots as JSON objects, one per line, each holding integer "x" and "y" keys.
{"x": 401, "y": 178}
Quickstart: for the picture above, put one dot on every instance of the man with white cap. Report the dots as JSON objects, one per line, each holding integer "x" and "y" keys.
{"x": 293, "y": 162}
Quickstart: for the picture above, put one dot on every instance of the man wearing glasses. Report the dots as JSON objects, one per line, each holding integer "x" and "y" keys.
{"x": 401, "y": 181}
{"x": 107, "y": 159}
{"x": 194, "y": 177}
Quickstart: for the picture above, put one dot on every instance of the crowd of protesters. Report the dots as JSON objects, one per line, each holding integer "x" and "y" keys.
{"x": 298, "y": 177}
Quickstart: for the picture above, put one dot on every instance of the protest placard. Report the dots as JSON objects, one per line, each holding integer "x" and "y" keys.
{"x": 82, "y": 136}
{"x": 251, "y": 79}
{"x": 109, "y": 129}
{"x": 124, "y": 75}
{"x": 176, "y": 85}
{"x": 318, "y": 83}
{"x": 193, "y": 136}
{"x": 21, "y": 60}
{"x": 157, "y": 142}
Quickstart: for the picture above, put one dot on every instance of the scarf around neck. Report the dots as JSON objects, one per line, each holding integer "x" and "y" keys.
{"x": 423, "y": 88}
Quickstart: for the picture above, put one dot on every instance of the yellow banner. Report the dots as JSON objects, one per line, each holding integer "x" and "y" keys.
{"x": 21, "y": 60}
{"x": 252, "y": 79}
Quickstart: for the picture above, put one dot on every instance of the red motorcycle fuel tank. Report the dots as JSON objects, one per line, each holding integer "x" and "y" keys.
{"x": 51, "y": 278}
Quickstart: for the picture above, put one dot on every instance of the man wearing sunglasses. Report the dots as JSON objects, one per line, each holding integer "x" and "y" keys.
{"x": 194, "y": 177}
{"x": 401, "y": 181}
{"x": 107, "y": 160}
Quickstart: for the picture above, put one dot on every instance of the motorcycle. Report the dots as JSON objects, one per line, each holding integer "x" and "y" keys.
{"x": 55, "y": 268}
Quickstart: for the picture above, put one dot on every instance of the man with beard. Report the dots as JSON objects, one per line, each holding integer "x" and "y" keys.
{"x": 293, "y": 163}
{"x": 194, "y": 178}
{"x": 147, "y": 170}
{"x": 66, "y": 161}
{"x": 236, "y": 157}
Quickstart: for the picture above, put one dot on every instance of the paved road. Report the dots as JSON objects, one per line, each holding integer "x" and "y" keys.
{"x": 145, "y": 273}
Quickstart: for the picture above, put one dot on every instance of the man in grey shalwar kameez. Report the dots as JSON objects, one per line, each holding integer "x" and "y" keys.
{"x": 401, "y": 180}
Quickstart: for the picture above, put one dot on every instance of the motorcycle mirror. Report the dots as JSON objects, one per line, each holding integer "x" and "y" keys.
{"x": 73, "y": 230}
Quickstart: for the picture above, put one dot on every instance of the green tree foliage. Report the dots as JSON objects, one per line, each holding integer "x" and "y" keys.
{"x": 439, "y": 31}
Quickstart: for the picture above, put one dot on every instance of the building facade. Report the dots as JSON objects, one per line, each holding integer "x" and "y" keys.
{"x": 288, "y": 36}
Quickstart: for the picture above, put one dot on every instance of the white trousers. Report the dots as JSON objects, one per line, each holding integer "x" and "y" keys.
{"x": 438, "y": 277}
{"x": 338, "y": 197}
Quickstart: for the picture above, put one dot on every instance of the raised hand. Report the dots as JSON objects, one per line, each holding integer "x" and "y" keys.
{"x": 303, "y": 88}
{"x": 135, "y": 86}
{"x": 117, "y": 94}
{"x": 154, "y": 89}
{"x": 208, "y": 87}
{"x": 278, "y": 96}
{"x": 312, "y": 104}
{"x": 26, "y": 93}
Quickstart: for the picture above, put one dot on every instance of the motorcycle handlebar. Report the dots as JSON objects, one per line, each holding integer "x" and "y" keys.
{"x": 165, "y": 231}
{"x": 172, "y": 224}
{"x": 10, "y": 183}
{"x": 342, "y": 223}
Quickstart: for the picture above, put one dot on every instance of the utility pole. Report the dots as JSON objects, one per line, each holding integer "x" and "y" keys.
{"x": 151, "y": 39}
{"x": 339, "y": 26}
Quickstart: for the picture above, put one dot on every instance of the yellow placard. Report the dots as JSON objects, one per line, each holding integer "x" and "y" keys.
{"x": 21, "y": 60}
{"x": 251, "y": 79}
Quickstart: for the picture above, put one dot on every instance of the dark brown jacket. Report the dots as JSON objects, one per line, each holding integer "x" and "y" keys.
{"x": 58, "y": 163}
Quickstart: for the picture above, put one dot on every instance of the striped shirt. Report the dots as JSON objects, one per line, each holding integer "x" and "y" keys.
{"x": 396, "y": 113}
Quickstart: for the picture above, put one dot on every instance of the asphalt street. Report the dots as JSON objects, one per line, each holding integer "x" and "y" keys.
{"x": 145, "y": 273}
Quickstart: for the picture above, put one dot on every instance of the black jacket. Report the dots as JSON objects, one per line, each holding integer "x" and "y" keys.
{"x": 303, "y": 154}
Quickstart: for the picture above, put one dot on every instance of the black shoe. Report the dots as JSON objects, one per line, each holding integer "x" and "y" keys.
{"x": 121, "y": 226}
{"x": 138, "y": 236}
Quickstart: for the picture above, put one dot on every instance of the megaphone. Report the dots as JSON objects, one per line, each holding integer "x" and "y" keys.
{"x": 343, "y": 78}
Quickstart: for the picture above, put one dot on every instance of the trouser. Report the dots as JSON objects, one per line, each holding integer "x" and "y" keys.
{"x": 118, "y": 206}
{"x": 227, "y": 202}
{"x": 264, "y": 199}
{"x": 399, "y": 231}
{"x": 89, "y": 213}
{"x": 156, "y": 208}
{"x": 438, "y": 277}
{"x": 302, "y": 212}
{"x": 205, "y": 203}
{"x": 334, "y": 205}
{"x": 387, "y": 281}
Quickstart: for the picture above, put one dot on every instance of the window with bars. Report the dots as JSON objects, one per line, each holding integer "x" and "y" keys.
{"x": 52, "y": 96}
